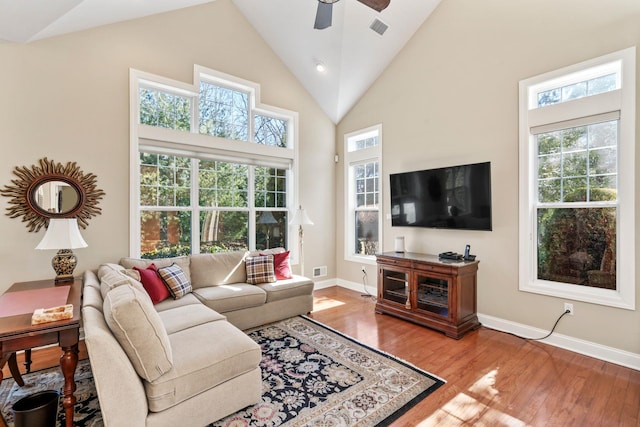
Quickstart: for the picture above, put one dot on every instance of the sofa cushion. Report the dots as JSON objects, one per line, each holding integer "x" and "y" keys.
{"x": 111, "y": 278}
{"x": 204, "y": 356}
{"x": 176, "y": 280}
{"x": 218, "y": 269}
{"x": 283, "y": 289}
{"x": 187, "y": 316}
{"x": 260, "y": 269}
{"x": 226, "y": 298}
{"x": 171, "y": 303}
{"x": 153, "y": 284}
{"x": 139, "y": 330}
{"x": 182, "y": 261}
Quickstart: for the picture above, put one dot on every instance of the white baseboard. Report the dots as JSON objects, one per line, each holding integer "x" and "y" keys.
{"x": 323, "y": 284}
{"x": 602, "y": 352}
{"x": 588, "y": 348}
{"x": 358, "y": 287}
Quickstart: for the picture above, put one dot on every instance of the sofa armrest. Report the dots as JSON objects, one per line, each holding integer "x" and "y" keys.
{"x": 122, "y": 397}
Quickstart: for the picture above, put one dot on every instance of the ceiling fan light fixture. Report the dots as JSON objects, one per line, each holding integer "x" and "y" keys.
{"x": 324, "y": 14}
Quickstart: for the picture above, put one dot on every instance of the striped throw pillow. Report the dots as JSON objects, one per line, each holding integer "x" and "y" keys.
{"x": 260, "y": 269}
{"x": 175, "y": 279}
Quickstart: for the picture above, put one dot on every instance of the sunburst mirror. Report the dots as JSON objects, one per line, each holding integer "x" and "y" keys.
{"x": 52, "y": 190}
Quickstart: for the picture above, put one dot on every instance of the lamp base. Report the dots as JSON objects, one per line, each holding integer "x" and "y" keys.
{"x": 63, "y": 263}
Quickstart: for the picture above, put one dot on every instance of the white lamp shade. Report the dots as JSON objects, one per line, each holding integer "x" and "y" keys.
{"x": 62, "y": 233}
{"x": 300, "y": 217}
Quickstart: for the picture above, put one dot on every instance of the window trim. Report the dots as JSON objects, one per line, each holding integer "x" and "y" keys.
{"x": 193, "y": 144}
{"x": 353, "y": 158}
{"x": 553, "y": 116}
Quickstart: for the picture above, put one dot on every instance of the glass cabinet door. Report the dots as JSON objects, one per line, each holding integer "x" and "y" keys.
{"x": 433, "y": 295}
{"x": 395, "y": 286}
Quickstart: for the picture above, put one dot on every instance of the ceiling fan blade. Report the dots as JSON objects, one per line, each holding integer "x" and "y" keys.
{"x": 378, "y": 5}
{"x": 323, "y": 16}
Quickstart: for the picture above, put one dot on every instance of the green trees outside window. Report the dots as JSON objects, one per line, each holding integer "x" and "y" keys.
{"x": 577, "y": 195}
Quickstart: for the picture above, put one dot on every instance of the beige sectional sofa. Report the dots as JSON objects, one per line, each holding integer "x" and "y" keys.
{"x": 182, "y": 361}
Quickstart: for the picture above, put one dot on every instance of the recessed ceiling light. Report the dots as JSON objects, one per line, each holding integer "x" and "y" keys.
{"x": 320, "y": 67}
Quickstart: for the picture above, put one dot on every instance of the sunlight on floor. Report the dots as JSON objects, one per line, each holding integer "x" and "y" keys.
{"x": 465, "y": 409}
{"x": 325, "y": 303}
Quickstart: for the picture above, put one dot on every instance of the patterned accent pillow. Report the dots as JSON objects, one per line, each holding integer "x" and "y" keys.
{"x": 281, "y": 265}
{"x": 175, "y": 279}
{"x": 260, "y": 269}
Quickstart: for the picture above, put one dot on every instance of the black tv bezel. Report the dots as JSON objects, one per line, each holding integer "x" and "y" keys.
{"x": 490, "y": 195}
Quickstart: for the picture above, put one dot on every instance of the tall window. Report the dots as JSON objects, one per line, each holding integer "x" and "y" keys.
{"x": 363, "y": 225}
{"x": 211, "y": 172}
{"x": 576, "y": 181}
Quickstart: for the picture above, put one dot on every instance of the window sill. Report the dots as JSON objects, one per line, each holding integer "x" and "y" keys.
{"x": 362, "y": 259}
{"x": 608, "y": 297}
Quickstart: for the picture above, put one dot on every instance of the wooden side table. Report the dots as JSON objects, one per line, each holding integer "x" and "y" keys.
{"x": 17, "y": 333}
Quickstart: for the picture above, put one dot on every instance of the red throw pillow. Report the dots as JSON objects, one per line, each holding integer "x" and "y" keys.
{"x": 153, "y": 284}
{"x": 281, "y": 265}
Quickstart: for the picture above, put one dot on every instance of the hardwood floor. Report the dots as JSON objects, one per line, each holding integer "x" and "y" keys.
{"x": 493, "y": 378}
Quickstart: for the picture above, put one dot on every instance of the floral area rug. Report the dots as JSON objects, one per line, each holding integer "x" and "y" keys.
{"x": 314, "y": 376}
{"x": 311, "y": 376}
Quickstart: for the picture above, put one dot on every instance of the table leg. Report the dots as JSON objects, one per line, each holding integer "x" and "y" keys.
{"x": 27, "y": 361}
{"x": 68, "y": 363}
{"x": 13, "y": 367}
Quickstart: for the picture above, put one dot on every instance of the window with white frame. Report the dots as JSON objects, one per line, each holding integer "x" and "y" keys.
{"x": 213, "y": 170}
{"x": 363, "y": 167}
{"x": 577, "y": 136}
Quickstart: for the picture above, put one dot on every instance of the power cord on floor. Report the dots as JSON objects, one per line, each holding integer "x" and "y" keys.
{"x": 537, "y": 339}
{"x": 364, "y": 285}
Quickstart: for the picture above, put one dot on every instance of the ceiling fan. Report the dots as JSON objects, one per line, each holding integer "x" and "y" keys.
{"x": 325, "y": 10}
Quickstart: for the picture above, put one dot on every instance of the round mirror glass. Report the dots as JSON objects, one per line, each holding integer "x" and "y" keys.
{"x": 56, "y": 197}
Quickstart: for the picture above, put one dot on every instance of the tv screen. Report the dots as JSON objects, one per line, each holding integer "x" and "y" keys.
{"x": 457, "y": 197}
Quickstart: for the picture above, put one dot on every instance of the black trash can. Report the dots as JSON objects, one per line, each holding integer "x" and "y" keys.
{"x": 36, "y": 410}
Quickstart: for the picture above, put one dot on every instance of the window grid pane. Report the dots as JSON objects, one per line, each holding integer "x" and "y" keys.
{"x": 362, "y": 143}
{"x": 366, "y": 185}
{"x": 577, "y": 246}
{"x": 222, "y": 184}
{"x": 578, "y": 164}
{"x": 164, "y": 109}
{"x": 223, "y": 231}
{"x": 271, "y": 229}
{"x": 366, "y": 226}
{"x": 223, "y": 112}
{"x": 577, "y": 90}
{"x": 270, "y": 187}
{"x": 165, "y": 233}
{"x": 270, "y": 131}
{"x": 164, "y": 180}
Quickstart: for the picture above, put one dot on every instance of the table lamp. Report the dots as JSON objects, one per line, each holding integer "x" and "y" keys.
{"x": 63, "y": 234}
{"x": 301, "y": 218}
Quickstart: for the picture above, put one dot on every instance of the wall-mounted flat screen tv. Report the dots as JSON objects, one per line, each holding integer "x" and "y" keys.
{"x": 456, "y": 197}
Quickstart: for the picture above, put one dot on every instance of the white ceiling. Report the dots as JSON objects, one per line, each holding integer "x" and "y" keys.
{"x": 354, "y": 55}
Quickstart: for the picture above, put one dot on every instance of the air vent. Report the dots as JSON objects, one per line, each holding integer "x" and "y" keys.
{"x": 378, "y": 26}
{"x": 320, "y": 271}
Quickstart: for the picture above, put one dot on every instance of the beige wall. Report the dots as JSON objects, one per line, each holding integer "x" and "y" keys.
{"x": 67, "y": 98}
{"x": 451, "y": 97}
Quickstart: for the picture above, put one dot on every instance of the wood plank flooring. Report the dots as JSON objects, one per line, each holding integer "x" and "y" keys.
{"x": 493, "y": 379}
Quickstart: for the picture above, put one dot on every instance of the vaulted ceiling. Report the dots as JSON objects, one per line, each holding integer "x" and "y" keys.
{"x": 351, "y": 53}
